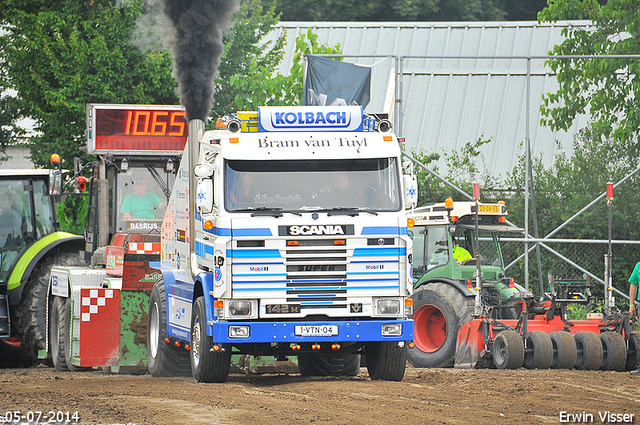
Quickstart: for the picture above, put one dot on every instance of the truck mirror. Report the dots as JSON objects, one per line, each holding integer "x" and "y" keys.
{"x": 204, "y": 170}
{"x": 204, "y": 195}
{"x": 410, "y": 191}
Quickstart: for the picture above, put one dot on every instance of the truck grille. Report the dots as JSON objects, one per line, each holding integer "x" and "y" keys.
{"x": 317, "y": 273}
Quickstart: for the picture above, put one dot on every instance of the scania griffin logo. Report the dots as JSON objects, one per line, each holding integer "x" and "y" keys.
{"x": 315, "y": 230}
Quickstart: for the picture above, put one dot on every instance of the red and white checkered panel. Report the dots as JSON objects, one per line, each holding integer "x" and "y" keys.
{"x": 144, "y": 248}
{"x": 99, "y": 327}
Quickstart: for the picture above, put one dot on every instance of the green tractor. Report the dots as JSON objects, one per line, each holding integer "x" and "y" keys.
{"x": 30, "y": 243}
{"x": 449, "y": 250}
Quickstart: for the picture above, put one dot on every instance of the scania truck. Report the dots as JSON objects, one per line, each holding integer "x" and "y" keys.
{"x": 286, "y": 235}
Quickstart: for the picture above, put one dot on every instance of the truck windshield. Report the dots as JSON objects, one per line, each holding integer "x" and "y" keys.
{"x": 142, "y": 195}
{"x": 312, "y": 185}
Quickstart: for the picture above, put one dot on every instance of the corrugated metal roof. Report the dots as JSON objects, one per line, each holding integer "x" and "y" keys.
{"x": 448, "y": 102}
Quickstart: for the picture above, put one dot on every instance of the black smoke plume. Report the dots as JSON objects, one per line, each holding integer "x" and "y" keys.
{"x": 197, "y": 48}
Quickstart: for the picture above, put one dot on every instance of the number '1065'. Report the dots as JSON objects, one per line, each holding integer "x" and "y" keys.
{"x": 155, "y": 123}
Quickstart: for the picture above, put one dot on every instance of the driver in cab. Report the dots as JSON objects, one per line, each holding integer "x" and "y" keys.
{"x": 140, "y": 204}
{"x": 459, "y": 253}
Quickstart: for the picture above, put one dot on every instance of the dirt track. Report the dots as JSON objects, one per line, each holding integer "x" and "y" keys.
{"x": 425, "y": 396}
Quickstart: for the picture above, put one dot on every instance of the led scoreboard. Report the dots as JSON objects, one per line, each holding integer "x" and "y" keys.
{"x": 135, "y": 129}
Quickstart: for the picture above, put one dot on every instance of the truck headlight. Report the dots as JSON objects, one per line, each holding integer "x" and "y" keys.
{"x": 388, "y": 306}
{"x": 392, "y": 329}
{"x": 240, "y": 308}
{"x": 239, "y": 331}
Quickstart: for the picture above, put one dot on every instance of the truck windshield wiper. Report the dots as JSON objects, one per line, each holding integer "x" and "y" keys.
{"x": 352, "y": 211}
{"x": 268, "y": 211}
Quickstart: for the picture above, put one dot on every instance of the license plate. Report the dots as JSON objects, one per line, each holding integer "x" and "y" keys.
{"x": 490, "y": 208}
{"x": 316, "y": 330}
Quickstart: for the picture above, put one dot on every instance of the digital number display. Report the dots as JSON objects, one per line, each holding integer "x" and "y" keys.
{"x": 133, "y": 128}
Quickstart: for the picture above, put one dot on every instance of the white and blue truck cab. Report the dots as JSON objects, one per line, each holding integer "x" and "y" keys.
{"x": 294, "y": 243}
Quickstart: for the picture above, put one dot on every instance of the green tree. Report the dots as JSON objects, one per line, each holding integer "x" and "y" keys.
{"x": 267, "y": 88}
{"x": 393, "y": 10}
{"x": 462, "y": 168}
{"x": 61, "y": 55}
{"x": 607, "y": 88}
{"x": 247, "y": 58}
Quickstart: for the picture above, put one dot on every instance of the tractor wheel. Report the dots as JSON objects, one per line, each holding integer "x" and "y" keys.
{"x": 30, "y": 313}
{"x": 538, "y": 351}
{"x": 386, "y": 360}
{"x": 440, "y": 311}
{"x": 508, "y": 350}
{"x": 589, "y": 351}
{"x": 207, "y": 365}
{"x": 57, "y": 332}
{"x": 614, "y": 351}
{"x": 633, "y": 353}
{"x": 329, "y": 365}
{"x": 564, "y": 350}
{"x": 163, "y": 359}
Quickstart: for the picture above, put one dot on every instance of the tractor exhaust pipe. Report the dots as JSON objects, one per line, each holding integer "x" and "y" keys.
{"x": 196, "y": 131}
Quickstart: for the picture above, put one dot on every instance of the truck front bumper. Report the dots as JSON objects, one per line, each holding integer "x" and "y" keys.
{"x": 321, "y": 331}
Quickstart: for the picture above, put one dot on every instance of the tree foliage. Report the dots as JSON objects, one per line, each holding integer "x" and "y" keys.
{"x": 607, "y": 88}
{"x": 408, "y": 10}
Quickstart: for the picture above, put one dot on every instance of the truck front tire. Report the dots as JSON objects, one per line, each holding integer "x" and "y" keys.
{"x": 386, "y": 360}
{"x": 207, "y": 363}
{"x": 163, "y": 359}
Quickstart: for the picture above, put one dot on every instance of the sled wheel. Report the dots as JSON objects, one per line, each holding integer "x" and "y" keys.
{"x": 508, "y": 350}
{"x": 163, "y": 359}
{"x": 440, "y": 311}
{"x": 207, "y": 364}
{"x": 564, "y": 350}
{"x": 633, "y": 353}
{"x": 386, "y": 360}
{"x": 56, "y": 334}
{"x": 589, "y": 351}
{"x": 614, "y": 351}
{"x": 329, "y": 365}
{"x": 538, "y": 351}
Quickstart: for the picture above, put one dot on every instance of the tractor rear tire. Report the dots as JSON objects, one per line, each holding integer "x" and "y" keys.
{"x": 386, "y": 361}
{"x": 56, "y": 334}
{"x": 538, "y": 351}
{"x": 508, "y": 350}
{"x": 440, "y": 311}
{"x": 633, "y": 353}
{"x": 207, "y": 365}
{"x": 163, "y": 359}
{"x": 614, "y": 351}
{"x": 564, "y": 350}
{"x": 589, "y": 351}
{"x": 30, "y": 313}
{"x": 329, "y": 365}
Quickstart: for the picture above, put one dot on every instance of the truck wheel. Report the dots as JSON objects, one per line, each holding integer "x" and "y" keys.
{"x": 440, "y": 311}
{"x": 163, "y": 359}
{"x": 564, "y": 350}
{"x": 589, "y": 351}
{"x": 56, "y": 334}
{"x": 538, "y": 352}
{"x": 29, "y": 314}
{"x": 386, "y": 360}
{"x": 329, "y": 365}
{"x": 633, "y": 353}
{"x": 614, "y": 351}
{"x": 508, "y": 350}
{"x": 207, "y": 365}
